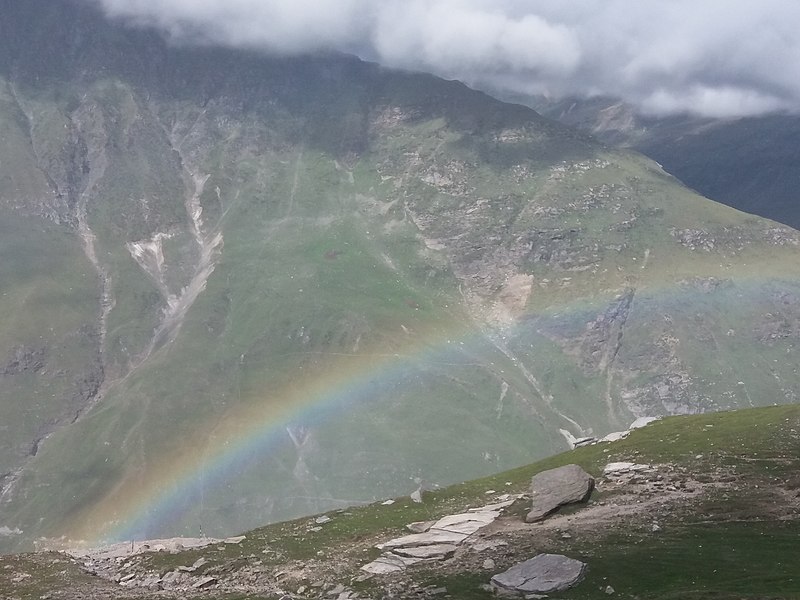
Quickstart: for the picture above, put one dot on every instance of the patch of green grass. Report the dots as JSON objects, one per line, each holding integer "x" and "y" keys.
{"x": 725, "y": 560}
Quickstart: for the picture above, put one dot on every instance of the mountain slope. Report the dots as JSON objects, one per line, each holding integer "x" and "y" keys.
{"x": 315, "y": 282}
{"x": 748, "y": 163}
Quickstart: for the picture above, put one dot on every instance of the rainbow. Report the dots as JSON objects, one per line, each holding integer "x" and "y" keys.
{"x": 150, "y": 501}
{"x": 147, "y": 503}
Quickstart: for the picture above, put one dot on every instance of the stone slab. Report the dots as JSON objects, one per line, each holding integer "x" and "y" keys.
{"x": 543, "y": 574}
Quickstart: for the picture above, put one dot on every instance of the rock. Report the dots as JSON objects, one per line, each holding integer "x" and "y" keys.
{"x": 505, "y": 501}
{"x": 465, "y": 523}
{"x": 336, "y": 590}
{"x": 617, "y": 469}
{"x": 483, "y": 545}
{"x": 437, "y": 591}
{"x": 322, "y": 520}
{"x": 420, "y": 526}
{"x": 557, "y": 487}
{"x": 616, "y": 436}
{"x": 204, "y": 583}
{"x": 543, "y": 574}
{"x": 584, "y": 441}
{"x": 436, "y": 540}
{"x": 416, "y": 496}
{"x": 235, "y": 540}
{"x": 424, "y": 539}
{"x": 434, "y": 551}
{"x": 388, "y": 563}
{"x": 610, "y": 590}
{"x": 571, "y": 439}
{"x": 152, "y": 583}
{"x": 642, "y": 422}
{"x": 199, "y": 563}
{"x": 488, "y": 564}
{"x": 387, "y": 502}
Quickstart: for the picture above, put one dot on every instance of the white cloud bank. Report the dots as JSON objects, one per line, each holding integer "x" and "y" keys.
{"x": 715, "y": 57}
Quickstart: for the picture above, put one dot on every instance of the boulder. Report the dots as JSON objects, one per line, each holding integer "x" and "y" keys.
{"x": 557, "y": 487}
{"x": 543, "y": 574}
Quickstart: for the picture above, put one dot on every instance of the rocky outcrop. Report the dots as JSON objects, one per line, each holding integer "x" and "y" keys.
{"x": 437, "y": 541}
{"x": 543, "y": 574}
{"x": 24, "y": 360}
{"x": 611, "y": 437}
{"x": 557, "y": 487}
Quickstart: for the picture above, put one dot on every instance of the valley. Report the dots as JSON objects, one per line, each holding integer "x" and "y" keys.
{"x": 242, "y": 289}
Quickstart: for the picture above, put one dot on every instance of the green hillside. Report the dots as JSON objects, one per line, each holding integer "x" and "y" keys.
{"x": 247, "y": 288}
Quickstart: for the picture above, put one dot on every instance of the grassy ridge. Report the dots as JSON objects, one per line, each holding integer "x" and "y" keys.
{"x": 736, "y": 542}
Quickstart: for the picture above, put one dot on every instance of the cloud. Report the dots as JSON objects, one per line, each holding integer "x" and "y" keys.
{"x": 715, "y": 58}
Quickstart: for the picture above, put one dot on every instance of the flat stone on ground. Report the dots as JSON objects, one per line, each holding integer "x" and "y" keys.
{"x": 389, "y": 563}
{"x": 437, "y": 551}
{"x": 624, "y": 468}
{"x": 424, "y": 539}
{"x": 465, "y": 523}
{"x": 543, "y": 574}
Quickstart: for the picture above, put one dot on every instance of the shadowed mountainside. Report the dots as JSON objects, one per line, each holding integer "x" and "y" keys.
{"x": 750, "y": 163}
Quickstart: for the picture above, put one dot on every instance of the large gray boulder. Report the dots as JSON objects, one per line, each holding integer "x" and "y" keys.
{"x": 543, "y": 574}
{"x": 557, "y": 487}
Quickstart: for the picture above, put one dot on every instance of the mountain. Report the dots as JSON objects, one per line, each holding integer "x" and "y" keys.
{"x": 706, "y": 507}
{"x": 242, "y": 288}
{"x": 748, "y": 163}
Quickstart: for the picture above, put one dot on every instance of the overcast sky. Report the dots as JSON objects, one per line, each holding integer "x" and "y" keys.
{"x": 713, "y": 57}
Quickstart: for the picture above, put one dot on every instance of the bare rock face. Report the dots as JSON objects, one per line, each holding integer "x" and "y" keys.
{"x": 543, "y": 574}
{"x": 557, "y": 487}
